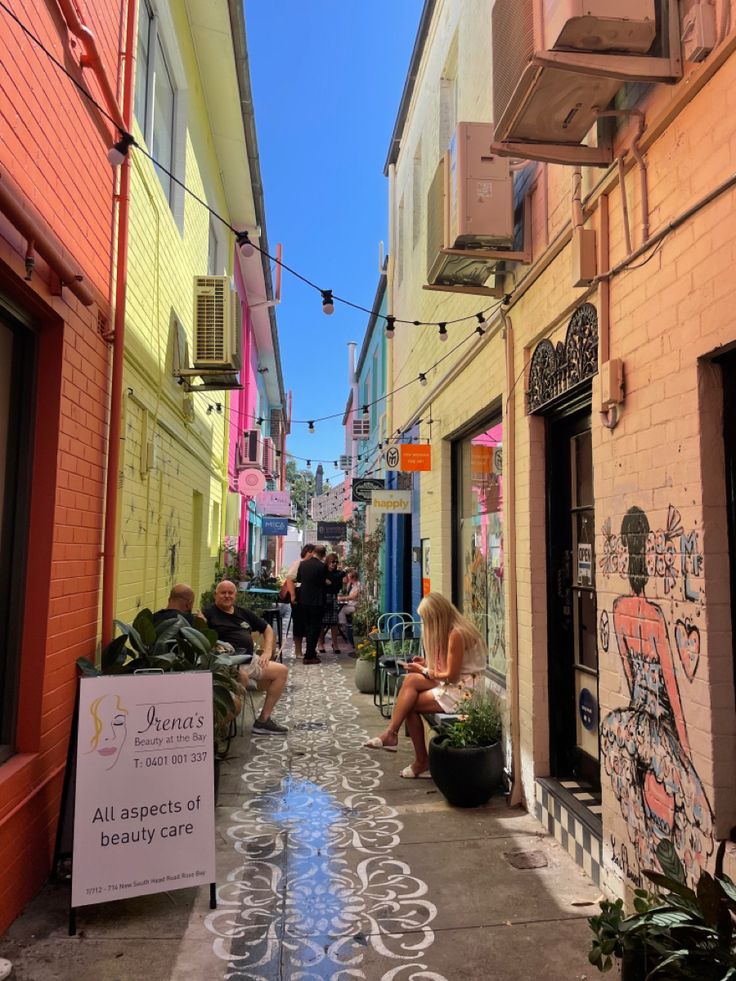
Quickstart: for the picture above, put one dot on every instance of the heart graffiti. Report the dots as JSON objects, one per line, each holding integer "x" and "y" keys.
{"x": 687, "y": 641}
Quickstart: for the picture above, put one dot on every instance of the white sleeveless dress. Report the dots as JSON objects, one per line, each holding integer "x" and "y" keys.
{"x": 449, "y": 696}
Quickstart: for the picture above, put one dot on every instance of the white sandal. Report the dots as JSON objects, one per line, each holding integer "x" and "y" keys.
{"x": 408, "y": 774}
{"x": 376, "y": 743}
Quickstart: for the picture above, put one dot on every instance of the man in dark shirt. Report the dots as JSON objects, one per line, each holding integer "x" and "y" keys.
{"x": 311, "y": 576}
{"x": 233, "y": 624}
{"x": 181, "y": 601}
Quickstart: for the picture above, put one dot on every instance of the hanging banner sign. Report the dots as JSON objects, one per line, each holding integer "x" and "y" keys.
{"x": 391, "y": 502}
{"x": 416, "y": 456}
{"x": 275, "y": 502}
{"x": 331, "y": 531}
{"x": 392, "y": 457}
{"x": 275, "y": 527}
{"x": 363, "y": 488}
{"x": 144, "y": 808}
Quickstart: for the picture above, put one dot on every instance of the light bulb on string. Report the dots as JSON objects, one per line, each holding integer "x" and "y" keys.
{"x": 310, "y": 428}
{"x": 309, "y": 464}
{"x": 259, "y": 421}
{"x": 328, "y": 304}
{"x": 390, "y": 326}
{"x": 119, "y": 151}
{"x": 366, "y": 411}
{"x": 443, "y": 331}
{"x": 422, "y": 379}
{"x": 244, "y": 244}
{"x": 481, "y": 328}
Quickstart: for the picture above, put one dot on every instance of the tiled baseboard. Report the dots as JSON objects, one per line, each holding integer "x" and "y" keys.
{"x": 576, "y": 826}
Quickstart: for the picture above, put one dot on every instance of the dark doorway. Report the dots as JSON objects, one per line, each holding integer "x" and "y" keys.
{"x": 573, "y": 648}
{"x": 16, "y": 395}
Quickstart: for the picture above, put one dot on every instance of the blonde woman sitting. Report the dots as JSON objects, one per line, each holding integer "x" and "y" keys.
{"x": 455, "y": 661}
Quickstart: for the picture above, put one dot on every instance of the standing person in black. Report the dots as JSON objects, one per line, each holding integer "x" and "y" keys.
{"x": 335, "y": 577}
{"x": 312, "y": 576}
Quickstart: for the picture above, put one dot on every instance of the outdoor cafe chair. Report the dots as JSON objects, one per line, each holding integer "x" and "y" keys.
{"x": 401, "y": 642}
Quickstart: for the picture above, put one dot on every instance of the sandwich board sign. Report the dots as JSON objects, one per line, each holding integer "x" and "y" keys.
{"x": 144, "y": 807}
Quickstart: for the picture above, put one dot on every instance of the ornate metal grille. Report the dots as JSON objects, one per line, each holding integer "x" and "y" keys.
{"x": 556, "y": 370}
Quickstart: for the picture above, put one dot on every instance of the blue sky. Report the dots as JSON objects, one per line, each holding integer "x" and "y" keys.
{"x": 327, "y": 78}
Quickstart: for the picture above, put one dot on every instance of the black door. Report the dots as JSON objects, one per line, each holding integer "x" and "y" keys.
{"x": 573, "y": 649}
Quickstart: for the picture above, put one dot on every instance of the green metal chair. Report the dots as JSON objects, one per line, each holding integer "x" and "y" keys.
{"x": 404, "y": 642}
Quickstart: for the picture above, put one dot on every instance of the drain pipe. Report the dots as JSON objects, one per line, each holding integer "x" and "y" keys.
{"x": 517, "y": 792}
{"x": 643, "y": 183}
{"x": 109, "y": 547}
{"x": 91, "y": 57}
{"x": 41, "y": 239}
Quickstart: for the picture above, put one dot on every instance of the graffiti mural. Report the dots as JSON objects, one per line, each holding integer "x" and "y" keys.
{"x": 644, "y": 745}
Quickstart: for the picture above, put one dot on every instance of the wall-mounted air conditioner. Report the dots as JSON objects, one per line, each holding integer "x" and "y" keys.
{"x": 215, "y": 322}
{"x": 558, "y": 65}
{"x": 469, "y": 208}
{"x": 269, "y": 457}
{"x": 250, "y": 449}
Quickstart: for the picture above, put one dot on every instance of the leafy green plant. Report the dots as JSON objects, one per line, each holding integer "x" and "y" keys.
{"x": 681, "y": 933}
{"x": 480, "y": 723}
{"x": 366, "y": 615}
{"x": 173, "y": 645}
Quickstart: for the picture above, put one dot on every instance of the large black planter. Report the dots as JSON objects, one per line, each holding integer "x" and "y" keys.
{"x": 466, "y": 777}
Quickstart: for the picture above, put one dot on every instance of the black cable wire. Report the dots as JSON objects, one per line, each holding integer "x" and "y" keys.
{"x": 134, "y": 143}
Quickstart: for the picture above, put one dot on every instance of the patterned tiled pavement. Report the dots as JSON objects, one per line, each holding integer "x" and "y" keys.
{"x": 330, "y": 866}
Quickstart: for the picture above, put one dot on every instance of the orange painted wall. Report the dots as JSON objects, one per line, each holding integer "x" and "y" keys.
{"x": 53, "y": 144}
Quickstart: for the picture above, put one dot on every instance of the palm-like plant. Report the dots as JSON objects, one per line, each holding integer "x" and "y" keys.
{"x": 173, "y": 645}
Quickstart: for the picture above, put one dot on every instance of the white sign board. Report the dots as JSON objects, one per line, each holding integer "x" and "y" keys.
{"x": 392, "y": 458}
{"x": 144, "y": 811}
{"x": 391, "y": 502}
{"x": 277, "y": 503}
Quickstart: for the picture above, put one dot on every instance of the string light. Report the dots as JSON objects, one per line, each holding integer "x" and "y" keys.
{"x": 244, "y": 244}
{"x": 217, "y": 407}
{"x": 259, "y": 421}
{"x": 422, "y": 379}
{"x": 311, "y": 426}
{"x": 366, "y": 410}
{"x": 481, "y": 328}
{"x": 390, "y": 326}
{"x": 119, "y": 151}
{"x": 309, "y": 463}
{"x": 328, "y": 299}
{"x": 443, "y": 331}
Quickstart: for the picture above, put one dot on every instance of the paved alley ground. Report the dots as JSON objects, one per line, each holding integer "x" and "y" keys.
{"x": 331, "y": 866}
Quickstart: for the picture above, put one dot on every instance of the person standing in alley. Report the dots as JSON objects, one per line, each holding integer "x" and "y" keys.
{"x": 335, "y": 577}
{"x": 312, "y": 577}
{"x": 292, "y": 588}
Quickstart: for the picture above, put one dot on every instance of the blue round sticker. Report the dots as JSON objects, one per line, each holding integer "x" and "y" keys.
{"x": 587, "y": 705}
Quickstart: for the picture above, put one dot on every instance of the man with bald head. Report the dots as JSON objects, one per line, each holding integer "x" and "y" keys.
{"x": 234, "y": 624}
{"x": 181, "y": 601}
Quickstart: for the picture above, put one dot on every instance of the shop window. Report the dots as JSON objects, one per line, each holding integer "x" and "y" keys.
{"x": 479, "y": 557}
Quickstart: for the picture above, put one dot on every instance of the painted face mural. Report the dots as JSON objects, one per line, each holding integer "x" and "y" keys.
{"x": 110, "y": 719}
{"x": 645, "y": 746}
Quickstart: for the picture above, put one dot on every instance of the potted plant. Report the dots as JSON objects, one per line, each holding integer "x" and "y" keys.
{"x": 174, "y": 645}
{"x": 365, "y": 666}
{"x": 681, "y": 933}
{"x": 466, "y": 756}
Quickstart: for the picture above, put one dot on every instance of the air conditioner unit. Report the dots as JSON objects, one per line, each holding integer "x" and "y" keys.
{"x": 600, "y": 25}
{"x": 269, "y": 457}
{"x": 250, "y": 449}
{"x": 557, "y": 66}
{"x": 346, "y": 462}
{"x": 276, "y": 426}
{"x": 215, "y": 320}
{"x": 469, "y": 208}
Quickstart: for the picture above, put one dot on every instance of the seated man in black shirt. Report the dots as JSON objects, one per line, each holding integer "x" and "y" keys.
{"x": 233, "y": 624}
{"x": 181, "y": 601}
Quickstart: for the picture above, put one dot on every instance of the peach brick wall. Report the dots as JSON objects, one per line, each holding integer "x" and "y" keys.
{"x": 665, "y": 457}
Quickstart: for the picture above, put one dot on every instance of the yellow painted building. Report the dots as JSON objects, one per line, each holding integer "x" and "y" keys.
{"x": 191, "y": 73}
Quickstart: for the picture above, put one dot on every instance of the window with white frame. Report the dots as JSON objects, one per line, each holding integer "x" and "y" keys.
{"x": 156, "y": 98}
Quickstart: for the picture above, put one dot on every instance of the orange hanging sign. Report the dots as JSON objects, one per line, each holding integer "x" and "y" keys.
{"x": 416, "y": 456}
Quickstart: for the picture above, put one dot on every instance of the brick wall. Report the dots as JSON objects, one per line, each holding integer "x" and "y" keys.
{"x": 665, "y": 457}
{"x": 53, "y": 144}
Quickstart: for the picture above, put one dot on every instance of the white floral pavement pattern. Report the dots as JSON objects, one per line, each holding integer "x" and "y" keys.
{"x": 316, "y": 888}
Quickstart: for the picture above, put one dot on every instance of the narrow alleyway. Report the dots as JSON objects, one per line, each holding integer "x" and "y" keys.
{"x": 330, "y": 866}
